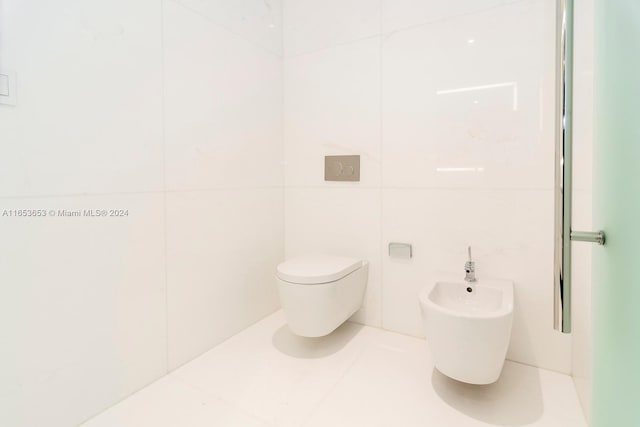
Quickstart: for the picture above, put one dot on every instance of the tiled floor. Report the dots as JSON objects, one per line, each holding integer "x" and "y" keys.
{"x": 357, "y": 376}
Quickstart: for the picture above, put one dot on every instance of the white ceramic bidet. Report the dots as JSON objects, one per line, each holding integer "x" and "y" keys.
{"x": 468, "y": 326}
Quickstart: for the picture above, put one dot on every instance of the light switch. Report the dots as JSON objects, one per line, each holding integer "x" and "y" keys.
{"x": 7, "y": 87}
{"x": 4, "y": 85}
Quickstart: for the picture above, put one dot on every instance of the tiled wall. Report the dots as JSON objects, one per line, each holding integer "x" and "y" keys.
{"x": 223, "y": 139}
{"x": 450, "y": 105}
{"x": 582, "y": 200}
{"x": 172, "y": 110}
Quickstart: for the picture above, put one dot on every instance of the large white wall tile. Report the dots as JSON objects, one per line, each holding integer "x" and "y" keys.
{"x": 581, "y": 306}
{"x": 223, "y": 98}
{"x": 582, "y": 201}
{"x": 467, "y": 103}
{"x": 88, "y": 114}
{"x": 316, "y": 24}
{"x": 462, "y": 114}
{"x": 583, "y": 96}
{"x": 223, "y": 247}
{"x": 338, "y": 221}
{"x": 510, "y": 233}
{"x": 332, "y": 106}
{"x": 82, "y": 317}
{"x": 86, "y": 316}
{"x": 259, "y": 21}
{"x": 399, "y": 14}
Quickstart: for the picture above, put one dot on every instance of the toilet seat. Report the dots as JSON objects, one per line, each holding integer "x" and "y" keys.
{"x": 316, "y": 269}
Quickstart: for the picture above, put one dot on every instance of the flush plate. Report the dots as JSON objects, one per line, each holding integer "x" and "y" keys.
{"x": 342, "y": 168}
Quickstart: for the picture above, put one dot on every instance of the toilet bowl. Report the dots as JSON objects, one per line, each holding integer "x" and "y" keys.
{"x": 468, "y": 327}
{"x": 318, "y": 293}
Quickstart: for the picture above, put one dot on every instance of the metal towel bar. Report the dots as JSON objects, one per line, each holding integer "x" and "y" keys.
{"x": 563, "y": 235}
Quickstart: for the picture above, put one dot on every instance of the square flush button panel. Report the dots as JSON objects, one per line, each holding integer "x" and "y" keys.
{"x": 342, "y": 168}
{"x": 7, "y": 87}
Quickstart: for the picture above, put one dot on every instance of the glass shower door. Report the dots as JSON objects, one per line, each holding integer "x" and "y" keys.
{"x": 616, "y": 292}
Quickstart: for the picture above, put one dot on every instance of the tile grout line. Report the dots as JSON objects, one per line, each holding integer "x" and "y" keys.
{"x": 447, "y": 18}
{"x": 164, "y": 185}
{"x": 142, "y": 192}
{"x": 356, "y": 359}
{"x": 209, "y": 395}
{"x": 386, "y": 34}
{"x": 229, "y": 30}
{"x": 422, "y": 188}
{"x": 381, "y": 154}
{"x": 274, "y": 187}
{"x": 283, "y": 150}
{"x": 332, "y": 46}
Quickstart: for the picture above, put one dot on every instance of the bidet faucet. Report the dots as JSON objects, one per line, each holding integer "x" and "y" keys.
{"x": 470, "y": 269}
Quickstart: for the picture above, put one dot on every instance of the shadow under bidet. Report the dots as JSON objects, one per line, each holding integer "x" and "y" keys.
{"x": 514, "y": 400}
{"x": 314, "y": 348}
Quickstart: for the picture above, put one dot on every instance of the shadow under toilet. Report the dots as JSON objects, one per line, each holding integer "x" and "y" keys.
{"x": 314, "y": 348}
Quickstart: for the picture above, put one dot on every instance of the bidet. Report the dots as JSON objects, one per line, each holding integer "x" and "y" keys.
{"x": 468, "y": 331}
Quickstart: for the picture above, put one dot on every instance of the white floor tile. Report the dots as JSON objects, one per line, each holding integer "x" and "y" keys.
{"x": 170, "y": 403}
{"x": 357, "y": 376}
{"x": 387, "y": 387}
{"x": 275, "y": 375}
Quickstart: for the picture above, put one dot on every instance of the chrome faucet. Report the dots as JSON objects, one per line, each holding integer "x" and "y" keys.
{"x": 470, "y": 268}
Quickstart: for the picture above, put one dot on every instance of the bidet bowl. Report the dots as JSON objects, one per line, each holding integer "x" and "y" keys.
{"x": 468, "y": 332}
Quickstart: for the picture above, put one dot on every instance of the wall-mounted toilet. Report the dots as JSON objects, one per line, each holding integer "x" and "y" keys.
{"x": 320, "y": 292}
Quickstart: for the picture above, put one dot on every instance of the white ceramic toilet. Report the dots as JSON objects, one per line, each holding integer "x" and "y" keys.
{"x": 468, "y": 327}
{"x": 318, "y": 293}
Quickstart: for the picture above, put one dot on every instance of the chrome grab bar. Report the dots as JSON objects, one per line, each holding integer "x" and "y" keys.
{"x": 588, "y": 236}
{"x": 563, "y": 235}
{"x": 562, "y": 228}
